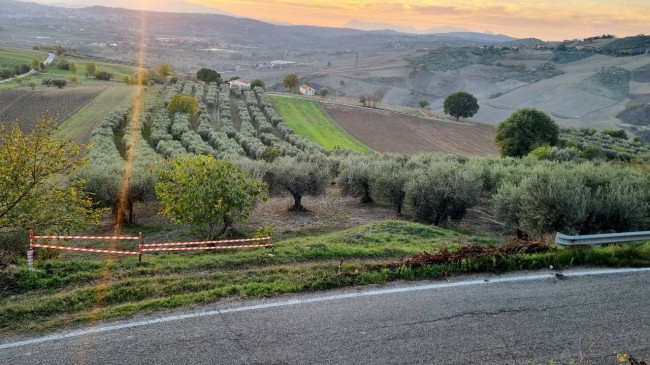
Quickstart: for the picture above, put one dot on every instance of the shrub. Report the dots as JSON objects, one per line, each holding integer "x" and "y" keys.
{"x": 103, "y": 75}
{"x": 60, "y": 83}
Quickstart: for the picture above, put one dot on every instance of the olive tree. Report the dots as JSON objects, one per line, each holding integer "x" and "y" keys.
{"x": 387, "y": 182}
{"x": 355, "y": 177}
{"x": 299, "y": 178}
{"x": 444, "y": 190}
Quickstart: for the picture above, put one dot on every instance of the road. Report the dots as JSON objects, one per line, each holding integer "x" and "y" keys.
{"x": 49, "y": 60}
{"x": 476, "y": 320}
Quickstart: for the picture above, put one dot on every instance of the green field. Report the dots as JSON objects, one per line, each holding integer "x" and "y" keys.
{"x": 307, "y": 118}
{"x": 10, "y": 57}
{"x": 81, "y": 124}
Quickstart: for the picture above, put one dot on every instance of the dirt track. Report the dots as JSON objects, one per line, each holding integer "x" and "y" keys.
{"x": 392, "y": 132}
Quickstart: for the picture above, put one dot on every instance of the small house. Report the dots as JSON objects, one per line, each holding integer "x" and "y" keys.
{"x": 307, "y": 90}
{"x": 240, "y": 83}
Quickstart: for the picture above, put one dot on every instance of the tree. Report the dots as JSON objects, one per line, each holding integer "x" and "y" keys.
{"x": 461, "y": 105}
{"x": 183, "y": 104}
{"x": 91, "y": 69}
{"x": 387, "y": 183}
{"x": 363, "y": 100}
{"x": 355, "y": 177}
{"x": 208, "y": 75}
{"x": 73, "y": 80}
{"x": 444, "y": 191}
{"x": 74, "y": 67}
{"x": 35, "y": 191}
{"x": 257, "y": 82}
{"x": 207, "y": 193}
{"x": 323, "y": 91}
{"x": 164, "y": 70}
{"x": 128, "y": 80}
{"x": 423, "y": 104}
{"x": 290, "y": 81}
{"x": 36, "y": 64}
{"x": 298, "y": 178}
{"x": 525, "y": 130}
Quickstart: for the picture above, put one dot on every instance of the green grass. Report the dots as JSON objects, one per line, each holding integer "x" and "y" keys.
{"x": 60, "y": 292}
{"x": 307, "y": 118}
{"x": 81, "y": 124}
{"x": 10, "y": 57}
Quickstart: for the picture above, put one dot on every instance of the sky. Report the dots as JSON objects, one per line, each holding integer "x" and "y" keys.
{"x": 545, "y": 19}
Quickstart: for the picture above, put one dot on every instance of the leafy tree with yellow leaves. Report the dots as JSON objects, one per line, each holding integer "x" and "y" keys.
{"x": 36, "y": 188}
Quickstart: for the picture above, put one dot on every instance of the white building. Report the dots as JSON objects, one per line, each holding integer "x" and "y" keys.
{"x": 240, "y": 83}
{"x": 307, "y": 90}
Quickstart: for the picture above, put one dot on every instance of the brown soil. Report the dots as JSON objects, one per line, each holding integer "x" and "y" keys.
{"x": 329, "y": 212}
{"x": 386, "y": 131}
{"x": 28, "y": 106}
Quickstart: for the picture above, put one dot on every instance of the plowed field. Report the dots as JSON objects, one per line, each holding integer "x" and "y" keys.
{"x": 393, "y": 132}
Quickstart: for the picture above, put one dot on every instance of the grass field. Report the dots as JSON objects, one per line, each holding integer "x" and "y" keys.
{"x": 80, "y": 125}
{"x": 307, "y": 118}
{"x": 61, "y": 292}
{"x": 10, "y": 57}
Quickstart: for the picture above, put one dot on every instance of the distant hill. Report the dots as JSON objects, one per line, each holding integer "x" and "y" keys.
{"x": 171, "y": 6}
{"x": 357, "y": 24}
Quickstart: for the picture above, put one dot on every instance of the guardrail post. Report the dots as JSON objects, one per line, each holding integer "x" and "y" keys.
{"x": 140, "y": 244}
{"x": 30, "y": 252}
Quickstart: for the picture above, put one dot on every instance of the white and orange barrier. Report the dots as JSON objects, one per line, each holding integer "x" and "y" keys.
{"x": 144, "y": 247}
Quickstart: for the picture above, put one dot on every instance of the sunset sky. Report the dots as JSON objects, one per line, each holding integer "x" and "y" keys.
{"x": 546, "y": 19}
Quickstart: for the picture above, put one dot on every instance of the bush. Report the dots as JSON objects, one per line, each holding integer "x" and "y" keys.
{"x": 60, "y": 83}
{"x": 103, "y": 75}
{"x": 616, "y": 133}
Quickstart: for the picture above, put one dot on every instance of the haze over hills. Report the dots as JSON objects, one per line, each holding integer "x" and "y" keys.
{"x": 171, "y": 6}
{"x": 361, "y": 25}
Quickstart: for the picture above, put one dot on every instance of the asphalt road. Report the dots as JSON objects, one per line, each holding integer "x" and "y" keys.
{"x": 506, "y": 320}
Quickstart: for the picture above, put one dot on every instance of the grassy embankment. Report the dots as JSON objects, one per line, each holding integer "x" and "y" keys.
{"x": 307, "y": 118}
{"x": 64, "y": 291}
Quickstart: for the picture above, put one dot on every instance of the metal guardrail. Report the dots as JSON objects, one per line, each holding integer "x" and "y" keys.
{"x": 600, "y": 239}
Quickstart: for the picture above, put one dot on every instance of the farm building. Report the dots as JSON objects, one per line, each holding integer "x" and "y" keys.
{"x": 307, "y": 90}
{"x": 240, "y": 83}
